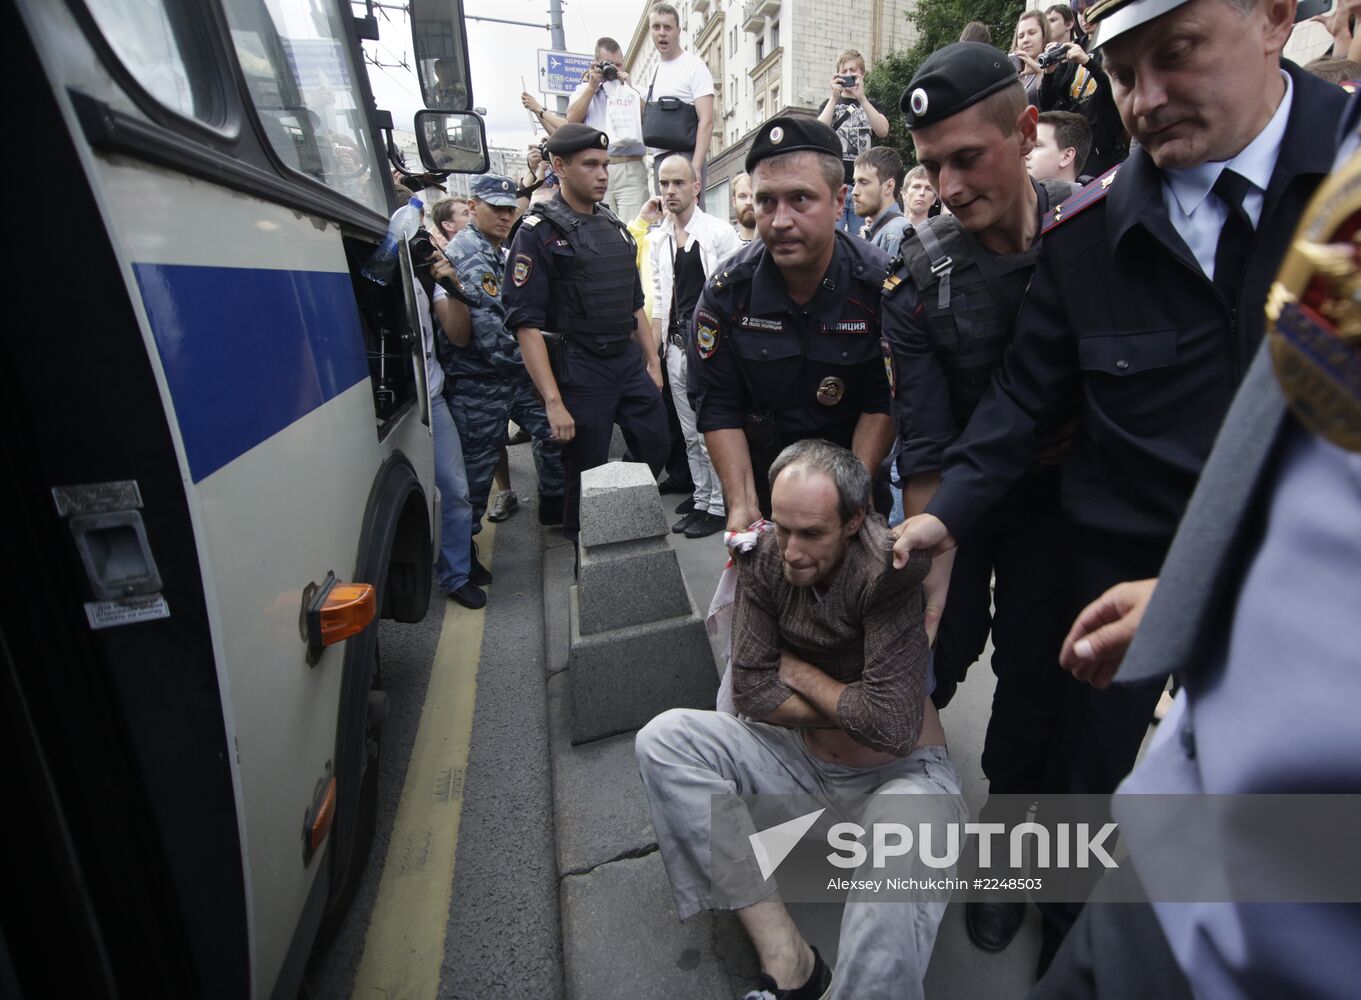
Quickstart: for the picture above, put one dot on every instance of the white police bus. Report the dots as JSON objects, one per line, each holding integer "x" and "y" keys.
{"x": 218, "y": 469}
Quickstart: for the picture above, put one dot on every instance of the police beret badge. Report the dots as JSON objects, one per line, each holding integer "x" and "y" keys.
{"x": 920, "y": 102}
{"x": 520, "y": 273}
{"x": 706, "y": 334}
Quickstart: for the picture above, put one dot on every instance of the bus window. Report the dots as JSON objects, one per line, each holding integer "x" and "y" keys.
{"x": 302, "y": 82}
{"x": 150, "y": 41}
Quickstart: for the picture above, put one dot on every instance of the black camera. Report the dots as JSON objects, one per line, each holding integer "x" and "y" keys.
{"x": 848, "y": 81}
{"x": 543, "y": 150}
{"x": 608, "y": 70}
{"x": 1051, "y": 56}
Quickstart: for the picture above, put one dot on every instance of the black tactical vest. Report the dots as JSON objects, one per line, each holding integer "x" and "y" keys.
{"x": 971, "y": 312}
{"x": 592, "y": 297}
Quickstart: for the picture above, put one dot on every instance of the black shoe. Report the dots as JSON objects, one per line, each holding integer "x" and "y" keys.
{"x": 705, "y": 524}
{"x": 684, "y": 523}
{"x": 685, "y": 506}
{"x": 478, "y": 575}
{"x": 669, "y": 485}
{"x": 818, "y": 987}
{"x": 991, "y": 926}
{"x": 550, "y": 510}
{"x": 470, "y": 596}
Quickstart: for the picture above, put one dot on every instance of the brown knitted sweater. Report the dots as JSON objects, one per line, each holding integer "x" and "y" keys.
{"x": 866, "y": 631}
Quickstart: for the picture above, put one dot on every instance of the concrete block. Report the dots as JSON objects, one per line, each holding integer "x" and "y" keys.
{"x": 600, "y": 810}
{"x": 629, "y": 583}
{"x": 621, "y": 939}
{"x": 620, "y": 503}
{"x": 622, "y": 678}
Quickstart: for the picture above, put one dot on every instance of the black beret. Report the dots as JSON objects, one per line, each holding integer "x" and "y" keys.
{"x": 574, "y": 137}
{"x": 792, "y": 134}
{"x": 953, "y": 78}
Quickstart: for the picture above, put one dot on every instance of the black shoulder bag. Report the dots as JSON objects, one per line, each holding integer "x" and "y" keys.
{"x": 669, "y": 123}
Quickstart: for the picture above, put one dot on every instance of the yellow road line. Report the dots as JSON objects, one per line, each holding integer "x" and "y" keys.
{"x": 404, "y": 946}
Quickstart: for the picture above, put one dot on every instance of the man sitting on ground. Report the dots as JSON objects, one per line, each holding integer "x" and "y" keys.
{"x": 830, "y": 671}
{"x": 1062, "y": 141}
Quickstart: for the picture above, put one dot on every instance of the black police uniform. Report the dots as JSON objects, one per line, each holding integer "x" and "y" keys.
{"x": 780, "y": 370}
{"x": 1121, "y": 322}
{"x": 575, "y": 277}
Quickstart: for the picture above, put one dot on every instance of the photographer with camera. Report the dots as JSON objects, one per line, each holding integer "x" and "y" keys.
{"x": 858, "y": 122}
{"x": 607, "y": 102}
{"x": 1080, "y": 86}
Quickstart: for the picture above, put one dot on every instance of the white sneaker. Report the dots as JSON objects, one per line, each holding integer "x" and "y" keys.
{"x": 507, "y": 503}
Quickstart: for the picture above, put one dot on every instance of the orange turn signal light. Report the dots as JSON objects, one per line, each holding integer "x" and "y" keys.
{"x": 322, "y": 816}
{"x": 332, "y": 611}
{"x": 348, "y": 609}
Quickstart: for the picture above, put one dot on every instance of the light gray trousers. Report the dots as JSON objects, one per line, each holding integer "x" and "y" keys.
{"x": 687, "y": 756}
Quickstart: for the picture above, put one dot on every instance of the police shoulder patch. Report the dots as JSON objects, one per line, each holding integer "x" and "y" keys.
{"x": 1084, "y": 199}
{"x": 706, "y": 334}
{"x": 489, "y": 283}
{"x": 531, "y": 219}
{"x": 524, "y": 264}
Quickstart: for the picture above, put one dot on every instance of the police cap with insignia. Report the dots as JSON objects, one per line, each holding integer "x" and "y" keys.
{"x": 1109, "y": 19}
{"x": 792, "y": 134}
{"x": 574, "y": 137}
{"x": 494, "y": 189}
{"x": 953, "y": 78}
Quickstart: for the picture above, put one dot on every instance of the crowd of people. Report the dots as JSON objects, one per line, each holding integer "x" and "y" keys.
{"x": 996, "y": 396}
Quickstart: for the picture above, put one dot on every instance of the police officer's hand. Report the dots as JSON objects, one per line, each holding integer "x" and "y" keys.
{"x": 1097, "y": 642}
{"x": 927, "y": 533}
{"x": 564, "y": 428}
{"x": 443, "y": 271}
{"x": 654, "y": 368}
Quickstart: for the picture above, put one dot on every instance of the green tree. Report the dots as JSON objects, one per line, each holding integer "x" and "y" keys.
{"x": 938, "y": 23}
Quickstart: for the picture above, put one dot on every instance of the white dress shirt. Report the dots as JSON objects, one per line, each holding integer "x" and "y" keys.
{"x": 1199, "y": 218}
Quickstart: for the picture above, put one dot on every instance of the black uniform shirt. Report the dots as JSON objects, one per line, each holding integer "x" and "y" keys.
{"x": 756, "y": 350}
{"x": 538, "y": 253}
{"x": 1121, "y": 317}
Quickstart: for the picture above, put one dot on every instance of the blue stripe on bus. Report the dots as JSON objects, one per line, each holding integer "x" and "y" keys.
{"x": 248, "y": 351}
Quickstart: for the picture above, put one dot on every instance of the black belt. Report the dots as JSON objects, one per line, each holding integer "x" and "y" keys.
{"x": 577, "y": 343}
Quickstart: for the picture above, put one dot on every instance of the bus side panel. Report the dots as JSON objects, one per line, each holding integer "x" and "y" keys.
{"x": 129, "y": 719}
{"x": 251, "y": 314}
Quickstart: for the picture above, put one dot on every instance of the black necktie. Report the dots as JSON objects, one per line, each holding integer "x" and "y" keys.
{"x": 1235, "y": 239}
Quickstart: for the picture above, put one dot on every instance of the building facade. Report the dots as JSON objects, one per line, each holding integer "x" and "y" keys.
{"x": 768, "y": 57}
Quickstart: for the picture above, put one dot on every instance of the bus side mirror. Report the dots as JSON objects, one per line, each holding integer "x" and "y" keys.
{"x": 452, "y": 143}
{"x": 439, "y": 37}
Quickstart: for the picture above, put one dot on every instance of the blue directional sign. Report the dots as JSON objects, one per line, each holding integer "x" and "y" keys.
{"x": 561, "y": 72}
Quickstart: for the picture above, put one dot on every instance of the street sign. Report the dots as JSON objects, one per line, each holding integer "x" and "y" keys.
{"x": 561, "y": 72}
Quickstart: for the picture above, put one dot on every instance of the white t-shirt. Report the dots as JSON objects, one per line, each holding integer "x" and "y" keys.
{"x": 434, "y": 374}
{"x": 687, "y": 77}
{"x": 617, "y": 110}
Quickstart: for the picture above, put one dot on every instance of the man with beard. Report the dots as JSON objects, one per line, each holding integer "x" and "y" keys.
{"x": 741, "y": 206}
{"x": 878, "y": 181}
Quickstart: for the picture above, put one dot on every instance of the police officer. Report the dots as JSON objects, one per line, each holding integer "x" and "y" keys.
{"x": 485, "y": 377}
{"x": 786, "y": 343}
{"x": 1143, "y": 314}
{"x": 948, "y": 312}
{"x": 575, "y": 302}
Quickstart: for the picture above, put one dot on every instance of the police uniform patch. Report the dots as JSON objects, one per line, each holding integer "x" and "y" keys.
{"x": 706, "y": 334}
{"x": 489, "y": 284}
{"x": 520, "y": 273}
{"x": 889, "y": 369}
{"x": 831, "y": 390}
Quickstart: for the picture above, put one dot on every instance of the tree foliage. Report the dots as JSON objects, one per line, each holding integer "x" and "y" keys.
{"x": 938, "y": 23}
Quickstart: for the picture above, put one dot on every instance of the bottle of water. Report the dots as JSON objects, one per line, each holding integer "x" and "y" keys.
{"x": 382, "y": 263}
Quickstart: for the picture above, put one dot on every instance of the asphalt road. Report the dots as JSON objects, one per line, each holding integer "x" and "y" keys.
{"x": 502, "y": 937}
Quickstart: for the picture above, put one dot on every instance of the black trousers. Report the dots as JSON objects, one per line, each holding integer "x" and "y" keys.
{"x": 1097, "y": 734}
{"x": 600, "y": 392}
{"x": 1115, "y": 951}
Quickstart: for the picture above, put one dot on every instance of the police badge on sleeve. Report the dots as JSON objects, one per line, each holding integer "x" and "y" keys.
{"x": 519, "y": 273}
{"x": 706, "y": 334}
